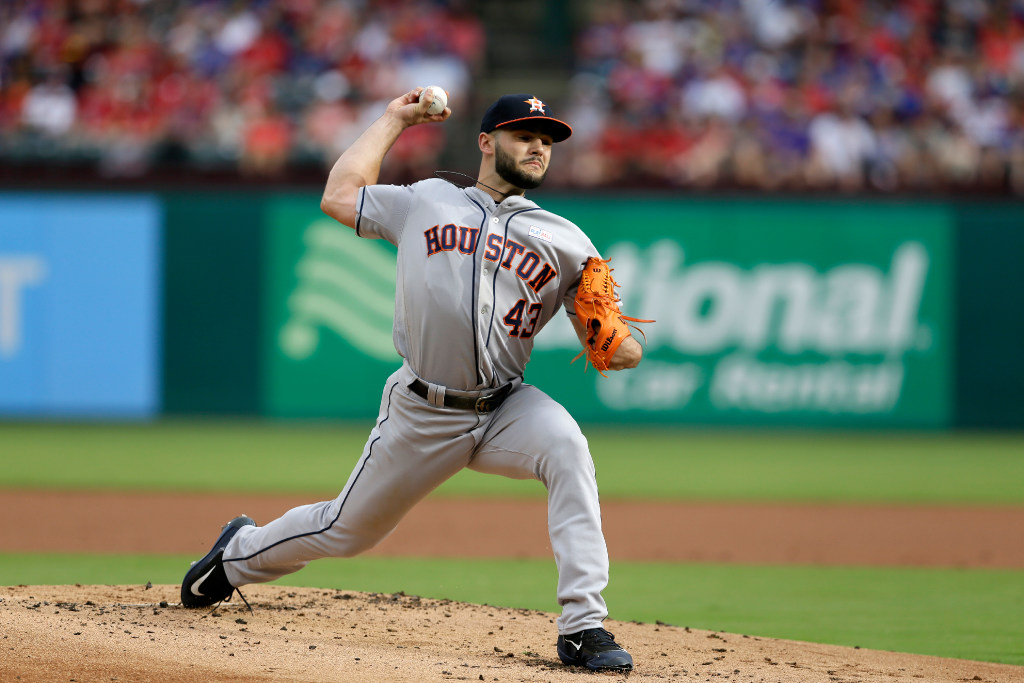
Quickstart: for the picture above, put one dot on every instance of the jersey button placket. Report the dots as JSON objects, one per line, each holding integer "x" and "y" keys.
{"x": 485, "y": 295}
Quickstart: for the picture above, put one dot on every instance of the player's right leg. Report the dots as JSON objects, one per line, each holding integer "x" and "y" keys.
{"x": 413, "y": 448}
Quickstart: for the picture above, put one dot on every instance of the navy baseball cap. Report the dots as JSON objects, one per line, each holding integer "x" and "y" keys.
{"x": 527, "y": 110}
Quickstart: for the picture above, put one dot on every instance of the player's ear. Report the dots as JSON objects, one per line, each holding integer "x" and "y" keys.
{"x": 486, "y": 143}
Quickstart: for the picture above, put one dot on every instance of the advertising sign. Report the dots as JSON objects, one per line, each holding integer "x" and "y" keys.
{"x": 770, "y": 313}
{"x": 79, "y": 306}
{"x": 330, "y": 302}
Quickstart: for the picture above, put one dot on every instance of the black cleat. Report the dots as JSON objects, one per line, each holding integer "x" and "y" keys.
{"x": 206, "y": 583}
{"x": 595, "y": 649}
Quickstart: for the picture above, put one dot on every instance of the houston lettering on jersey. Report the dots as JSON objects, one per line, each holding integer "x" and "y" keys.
{"x": 450, "y": 236}
{"x": 526, "y": 264}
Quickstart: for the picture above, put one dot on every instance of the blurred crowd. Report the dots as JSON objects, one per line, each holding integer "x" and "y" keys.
{"x": 848, "y": 95}
{"x": 787, "y": 95}
{"x": 257, "y": 85}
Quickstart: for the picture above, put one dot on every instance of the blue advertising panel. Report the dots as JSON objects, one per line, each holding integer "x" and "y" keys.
{"x": 79, "y": 306}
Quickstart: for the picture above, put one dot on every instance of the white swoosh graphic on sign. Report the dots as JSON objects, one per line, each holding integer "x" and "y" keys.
{"x": 338, "y": 281}
{"x": 341, "y": 319}
{"x": 346, "y": 285}
{"x": 338, "y": 244}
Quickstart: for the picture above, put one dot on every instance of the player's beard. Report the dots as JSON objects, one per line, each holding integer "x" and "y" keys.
{"x": 505, "y": 166}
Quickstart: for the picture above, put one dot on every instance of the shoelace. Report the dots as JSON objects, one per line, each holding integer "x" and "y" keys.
{"x": 599, "y": 640}
{"x": 248, "y": 606}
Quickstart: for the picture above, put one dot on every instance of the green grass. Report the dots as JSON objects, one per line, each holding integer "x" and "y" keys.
{"x": 669, "y": 464}
{"x": 969, "y": 614}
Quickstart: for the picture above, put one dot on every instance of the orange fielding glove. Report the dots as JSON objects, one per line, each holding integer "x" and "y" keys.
{"x": 598, "y": 309}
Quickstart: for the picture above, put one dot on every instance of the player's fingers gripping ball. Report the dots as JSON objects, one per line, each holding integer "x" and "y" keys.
{"x": 597, "y": 307}
{"x": 440, "y": 99}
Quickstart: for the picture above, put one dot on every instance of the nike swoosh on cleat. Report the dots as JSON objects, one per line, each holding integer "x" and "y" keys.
{"x": 197, "y": 582}
{"x": 575, "y": 645}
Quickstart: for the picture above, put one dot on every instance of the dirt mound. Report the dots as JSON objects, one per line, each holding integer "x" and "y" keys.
{"x": 136, "y": 633}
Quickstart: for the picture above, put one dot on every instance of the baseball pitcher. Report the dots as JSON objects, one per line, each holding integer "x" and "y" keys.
{"x": 481, "y": 271}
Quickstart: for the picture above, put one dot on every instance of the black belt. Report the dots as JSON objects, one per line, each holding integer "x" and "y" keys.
{"x": 484, "y": 403}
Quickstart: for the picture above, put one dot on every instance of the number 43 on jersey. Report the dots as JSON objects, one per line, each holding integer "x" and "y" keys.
{"x": 522, "y": 321}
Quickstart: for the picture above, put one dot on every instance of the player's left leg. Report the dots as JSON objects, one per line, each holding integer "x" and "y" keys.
{"x": 531, "y": 436}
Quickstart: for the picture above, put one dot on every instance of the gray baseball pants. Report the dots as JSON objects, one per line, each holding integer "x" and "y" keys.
{"x": 414, "y": 448}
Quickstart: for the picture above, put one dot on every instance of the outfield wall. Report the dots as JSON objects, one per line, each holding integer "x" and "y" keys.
{"x": 830, "y": 313}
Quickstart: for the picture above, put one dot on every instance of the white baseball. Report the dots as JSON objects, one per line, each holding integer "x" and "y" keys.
{"x": 440, "y": 99}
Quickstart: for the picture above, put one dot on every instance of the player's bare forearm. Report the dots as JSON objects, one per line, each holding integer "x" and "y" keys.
{"x": 627, "y": 356}
{"x": 360, "y": 164}
{"x": 357, "y": 167}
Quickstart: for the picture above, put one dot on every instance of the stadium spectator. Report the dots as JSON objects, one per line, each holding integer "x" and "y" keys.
{"x": 715, "y": 93}
{"x": 842, "y": 144}
{"x": 50, "y": 107}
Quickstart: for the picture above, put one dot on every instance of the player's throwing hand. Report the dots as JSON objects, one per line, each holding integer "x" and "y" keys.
{"x": 411, "y": 111}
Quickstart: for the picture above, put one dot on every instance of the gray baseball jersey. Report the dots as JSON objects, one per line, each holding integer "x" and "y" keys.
{"x": 477, "y": 280}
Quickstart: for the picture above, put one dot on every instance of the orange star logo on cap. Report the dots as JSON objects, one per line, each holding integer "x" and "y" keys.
{"x": 535, "y": 104}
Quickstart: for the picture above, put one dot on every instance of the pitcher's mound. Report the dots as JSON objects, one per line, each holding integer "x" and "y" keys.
{"x": 135, "y": 633}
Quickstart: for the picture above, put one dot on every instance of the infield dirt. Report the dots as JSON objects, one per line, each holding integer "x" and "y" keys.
{"x": 134, "y": 633}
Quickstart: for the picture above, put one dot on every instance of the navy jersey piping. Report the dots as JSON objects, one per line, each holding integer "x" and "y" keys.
{"x": 359, "y": 208}
{"x": 494, "y": 280}
{"x": 476, "y": 251}
{"x": 340, "y": 507}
